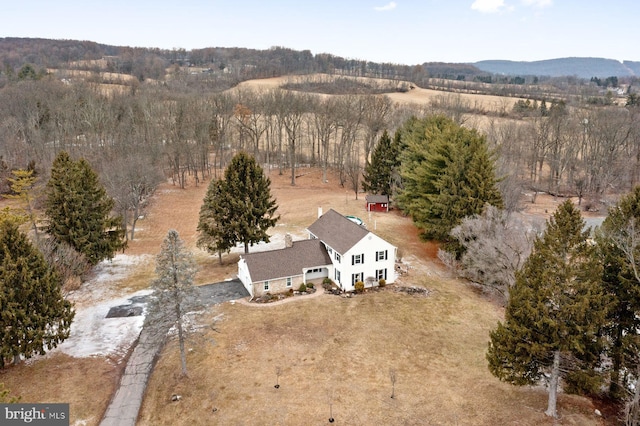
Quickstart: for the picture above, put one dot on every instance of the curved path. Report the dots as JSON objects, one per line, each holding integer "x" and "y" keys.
{"x": 125, "y": 404}
{"x": 127, "y": 400}
{"x": 319, "y": 291}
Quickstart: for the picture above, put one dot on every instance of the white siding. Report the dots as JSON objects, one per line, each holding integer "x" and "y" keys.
{"x": 245, "y": 276}
{"x": 320, "y": 272}
{"x": 368, "y": 246}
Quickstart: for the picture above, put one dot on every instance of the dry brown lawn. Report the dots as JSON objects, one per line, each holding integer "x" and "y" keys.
{"x": 85, "y": 383}
{"x": 336, "y": 353}
{"x": 333, "y": 352}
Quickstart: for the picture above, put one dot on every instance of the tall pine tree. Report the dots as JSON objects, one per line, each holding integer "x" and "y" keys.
{"x": 447, "y": 173}
{"x": 556, "y": 309}
{"x": 79, "y": 210}
{"x": 379, "y": 172}
{"x": 34, "y": 316}
{"x": 238, "y": 209}
{"x": 214, "y": 235}
{"x": 174, "y": 293}
{"x": 619, "y": 242}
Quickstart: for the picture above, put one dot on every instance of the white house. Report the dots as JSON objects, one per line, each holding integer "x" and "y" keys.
{"x": 356, "y": 253}
{"x": 337, "y": 248}
{"x": 276, "y": 271}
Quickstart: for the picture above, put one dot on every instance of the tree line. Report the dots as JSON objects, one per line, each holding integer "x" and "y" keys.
{"x": 572, "y": 306}
{"x": 171, "y": 131}
{"x": 79, "y": 232}
{"x": 243, "y": 63}
{"x": 441, "y": 173}
{"x": 226, "y": 67}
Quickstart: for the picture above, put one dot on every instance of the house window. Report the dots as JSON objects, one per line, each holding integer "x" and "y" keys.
{"x": 357, "y": 259}
{"x": 337, "y": 257}
{"x": 381, "y": 274}
{"x": 381, "y": 255}
{"x": 337, "y": 276}
{"x": 329, "y": 250}
{"x": 289, "y": 282}
{"x": 266, "y": 286}
{"x": 356, "y": 277}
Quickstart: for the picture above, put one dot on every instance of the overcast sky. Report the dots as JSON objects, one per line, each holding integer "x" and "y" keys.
{"x": 400, "y": 31}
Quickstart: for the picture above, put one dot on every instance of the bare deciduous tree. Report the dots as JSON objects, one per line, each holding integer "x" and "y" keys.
{"x": 291, "y": 110}
{"x": 326, "y": 124}
{"x": 70, "y": 264}
{"x": 376, "y": 112}
{"x": 131, "y": 181}
{"x": 496, "y": 245}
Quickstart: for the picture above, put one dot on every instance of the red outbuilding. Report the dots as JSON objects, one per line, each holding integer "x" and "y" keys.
{"x": 377, "y": 203}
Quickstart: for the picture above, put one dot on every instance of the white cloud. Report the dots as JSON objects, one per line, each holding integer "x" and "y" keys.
{"x": 392, "y": 5}
{"x": 489, "y": 6}
{"x": 537, "y": 3}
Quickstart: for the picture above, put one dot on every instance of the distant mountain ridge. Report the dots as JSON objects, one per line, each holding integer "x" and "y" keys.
{"x": 143, "y": 62}
{"x": 580, "y": 67}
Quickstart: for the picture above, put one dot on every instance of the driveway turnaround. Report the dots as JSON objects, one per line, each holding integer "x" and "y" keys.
{"x": 125, "y": 405}
{"x": 225, "y": 291}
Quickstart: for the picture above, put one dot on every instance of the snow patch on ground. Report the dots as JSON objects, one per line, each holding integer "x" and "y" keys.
{"x": 92, "y": 334}
{"x": 117, "y": 269}
{"x": 276, "y": 242}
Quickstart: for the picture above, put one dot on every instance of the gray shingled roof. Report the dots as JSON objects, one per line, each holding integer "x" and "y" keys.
{"x": 337, "y": 231}
{"x": 286, "y": 262}
{"x": 377, "y": 198}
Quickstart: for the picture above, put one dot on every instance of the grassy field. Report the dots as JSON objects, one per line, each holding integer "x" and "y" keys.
{"x": 333, "y": 353}
{"x": 337, "y": 353}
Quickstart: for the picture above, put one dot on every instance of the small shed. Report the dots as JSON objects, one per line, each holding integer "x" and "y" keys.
{"x": 377, "y": 203}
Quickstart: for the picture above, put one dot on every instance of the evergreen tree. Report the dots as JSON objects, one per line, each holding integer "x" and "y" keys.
{"x": 544, "y": 111}
{"x": 22, "y": 184}
{"x": 447, "y": 173}
{"x": 28, "y": 72}
{"x": 174, "y": 291}
{"x": 214, "y": 235}
{"x": 240, "y": 209}
{"x": 556, "y": 308}
{"x": 378, "y": 174}
{"x": 619, "y": 242}
{"x": 79, "y": 210}
{"x": 633, "y": 100}
{"x": 34, "y": 317}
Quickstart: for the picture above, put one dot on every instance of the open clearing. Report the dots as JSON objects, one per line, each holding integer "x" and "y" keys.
{"x": 418, "y": 95}
{"x": 334, "y": 353}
